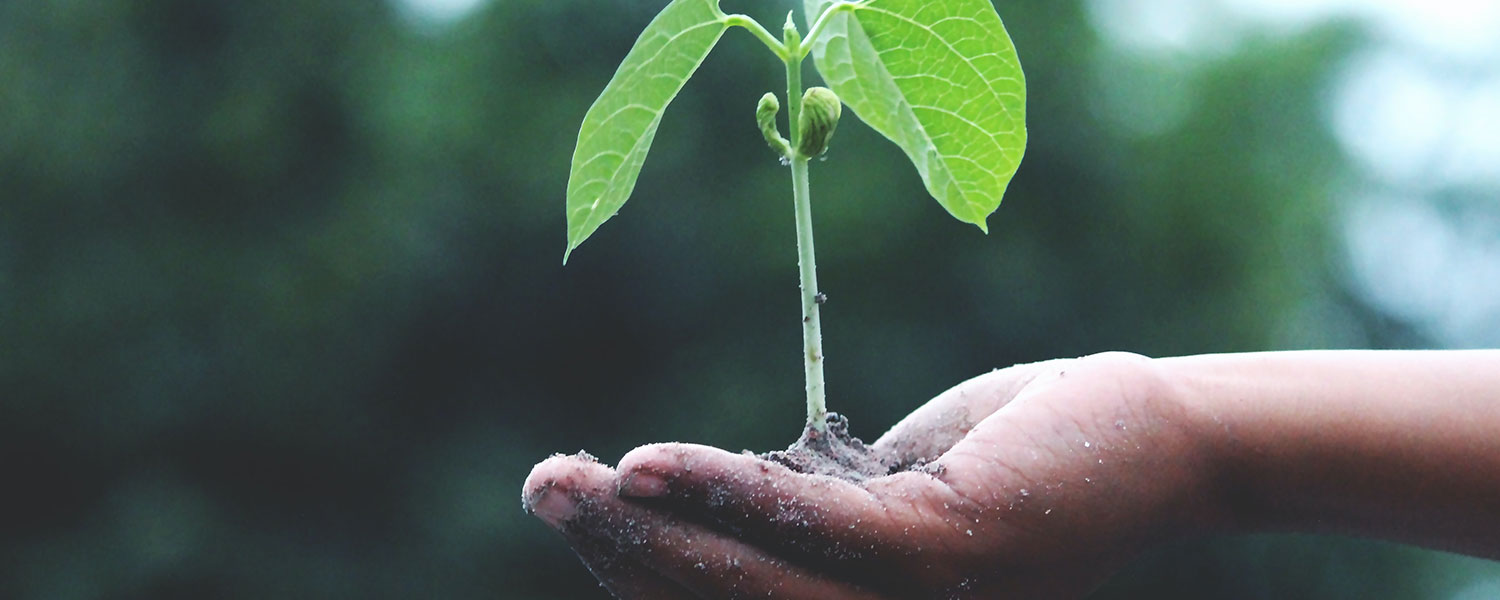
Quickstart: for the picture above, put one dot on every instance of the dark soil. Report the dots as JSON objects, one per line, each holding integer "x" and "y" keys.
{"x": 834, "y": 453}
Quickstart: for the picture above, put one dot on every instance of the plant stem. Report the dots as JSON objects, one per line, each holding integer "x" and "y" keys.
{"x": 812, "y": 329}
{"x": 807, "y": 264}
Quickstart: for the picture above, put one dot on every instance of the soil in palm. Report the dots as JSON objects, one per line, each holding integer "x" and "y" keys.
{"x": 835, "y": 453}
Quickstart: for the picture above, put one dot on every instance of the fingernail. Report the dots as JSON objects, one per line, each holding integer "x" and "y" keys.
{"x": 643, "y": 485}
{"x": 554, "y": 507}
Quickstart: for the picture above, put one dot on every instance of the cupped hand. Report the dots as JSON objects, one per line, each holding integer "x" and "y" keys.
{"x": 1036, "y": 481}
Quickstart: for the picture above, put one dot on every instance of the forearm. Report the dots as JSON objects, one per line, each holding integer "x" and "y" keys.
{"x": 1390, "y": 444}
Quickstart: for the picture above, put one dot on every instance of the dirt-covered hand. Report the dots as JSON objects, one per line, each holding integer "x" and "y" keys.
{"x": 1036, "y": 481}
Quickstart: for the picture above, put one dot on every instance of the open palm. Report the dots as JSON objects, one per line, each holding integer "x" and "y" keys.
{"x": 1035, "y": 481}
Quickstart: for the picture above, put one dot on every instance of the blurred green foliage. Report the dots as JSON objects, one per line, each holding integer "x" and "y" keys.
{"x": 282, "y": 314}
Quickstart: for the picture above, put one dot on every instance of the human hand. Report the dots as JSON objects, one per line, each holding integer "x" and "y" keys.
{"x": 1039, "y": 481}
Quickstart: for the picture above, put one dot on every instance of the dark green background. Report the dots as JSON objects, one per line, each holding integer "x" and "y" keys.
{"x": 282, "y": 313}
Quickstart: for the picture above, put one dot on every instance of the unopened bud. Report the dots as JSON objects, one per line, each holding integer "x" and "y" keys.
{"x": 767, "y": 109}
{"x": 820, "y": 115}
{"x": 789, "y": 34}
{"x": 765, "y": 116}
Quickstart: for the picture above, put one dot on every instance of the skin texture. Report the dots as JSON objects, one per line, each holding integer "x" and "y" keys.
{"x": 1043, "y": 479}
{"x": 1403, "y": 446}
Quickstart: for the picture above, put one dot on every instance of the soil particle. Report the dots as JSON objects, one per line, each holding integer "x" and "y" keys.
{"x": 834, "y": 453}
{"x": 946, "y": 428}
{"x": 933, "y": 469}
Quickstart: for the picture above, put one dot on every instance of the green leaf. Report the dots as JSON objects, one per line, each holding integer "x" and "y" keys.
{"x": 619, "y": 127}
{"x": 939, "y": 78}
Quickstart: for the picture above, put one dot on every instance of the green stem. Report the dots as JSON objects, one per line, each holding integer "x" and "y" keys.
{"x": 823, "y": 19}
{"x": 760, "y": 33}
{"x": 807, "y": 264}
{"x": 812, "y": 329}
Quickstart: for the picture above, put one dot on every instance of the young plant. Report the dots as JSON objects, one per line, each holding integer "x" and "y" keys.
{"x": 940, "y": 78}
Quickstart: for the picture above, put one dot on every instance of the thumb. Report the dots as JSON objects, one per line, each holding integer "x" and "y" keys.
{"x": 933, "y": 429}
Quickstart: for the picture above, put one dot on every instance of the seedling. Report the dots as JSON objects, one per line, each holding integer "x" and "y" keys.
{"x": 940, "y": 78}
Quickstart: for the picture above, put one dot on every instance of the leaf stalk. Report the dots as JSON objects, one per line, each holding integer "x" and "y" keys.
{"x": 822, "y": 22}
{"x": 760, "y": 33}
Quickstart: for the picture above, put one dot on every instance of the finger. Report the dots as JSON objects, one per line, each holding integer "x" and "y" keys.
{"x": 931, "y": 430}
{"x": 554, "y": 491}
{"x": 625, "y": 577}
{"x": 639, "y": 552}
{"x": 708, "y": 563}
{"x": 812, "y": 519}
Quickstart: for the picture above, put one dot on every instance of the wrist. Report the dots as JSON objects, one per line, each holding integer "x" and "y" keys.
{"x": 1215, "y": 500}
{"x": 1178, "y": 448}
